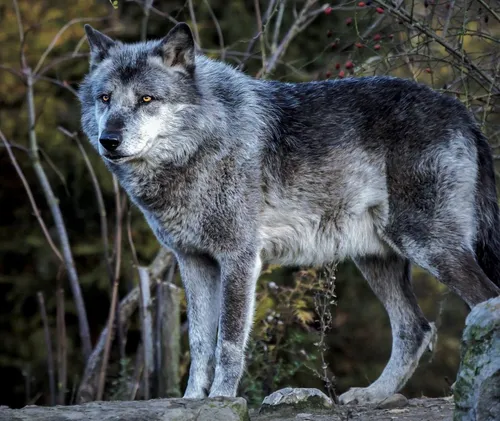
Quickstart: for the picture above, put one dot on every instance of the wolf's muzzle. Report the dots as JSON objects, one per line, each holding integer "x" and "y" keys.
{"x": 110, "y": 139}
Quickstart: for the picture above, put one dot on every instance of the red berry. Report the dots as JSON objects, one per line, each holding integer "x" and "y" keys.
{"x": 361, "y": 4}
{"x": 328, "y": 74}
{"x": 328, "y": 10}
{"x": 334, "y": 45}
{"x": 348, "y": 21}
{"x": 329, "y": 33}
{"x": 377, "y": 37}
{"x": 349, "y": 65}
{"x": 337, "y": 66}
{"x": 391, "y": 36}
{"x": 428, "y": 70}
{"x": 341, "y": 74}
{"x": 379, "y": 10}
{"x": 359, "y": 45}
{"x": 377, "y": 46}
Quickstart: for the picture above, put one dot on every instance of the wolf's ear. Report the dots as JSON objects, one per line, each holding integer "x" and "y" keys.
{"x": 99, "y": 45}
{"x": 178, "y": 49}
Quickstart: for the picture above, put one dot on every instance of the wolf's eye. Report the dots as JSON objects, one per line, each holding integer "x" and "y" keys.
{"x": 105, "y": 98}
{"x": 146, "y": 98}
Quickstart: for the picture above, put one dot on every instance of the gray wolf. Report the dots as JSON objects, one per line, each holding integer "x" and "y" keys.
{"x": 231, "y": 172}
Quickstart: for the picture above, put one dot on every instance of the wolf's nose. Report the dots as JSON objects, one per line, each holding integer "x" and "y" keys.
{"x": 110, "y": 140}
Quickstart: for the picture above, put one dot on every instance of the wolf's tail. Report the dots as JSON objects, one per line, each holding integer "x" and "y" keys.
{"x": 488, "y": 234}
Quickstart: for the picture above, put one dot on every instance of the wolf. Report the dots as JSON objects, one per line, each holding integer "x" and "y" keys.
{"x": 232, "y": 172}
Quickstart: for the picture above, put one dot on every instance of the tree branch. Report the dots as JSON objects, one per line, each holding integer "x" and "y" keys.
{"x": 88, "y": 387}
{"x": 29, "y": 193}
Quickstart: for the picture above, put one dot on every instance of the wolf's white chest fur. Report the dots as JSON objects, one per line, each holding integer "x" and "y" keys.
{"x": 294, "y": 234}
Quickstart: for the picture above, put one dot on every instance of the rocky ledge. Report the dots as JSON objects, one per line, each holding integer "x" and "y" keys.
{"x": 236, "y": 410}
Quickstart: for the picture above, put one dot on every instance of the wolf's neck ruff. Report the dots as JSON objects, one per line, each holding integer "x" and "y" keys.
{"x": 229, "y": 171}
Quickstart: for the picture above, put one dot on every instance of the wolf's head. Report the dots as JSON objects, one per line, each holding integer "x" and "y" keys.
{"x": 138, "y": 99}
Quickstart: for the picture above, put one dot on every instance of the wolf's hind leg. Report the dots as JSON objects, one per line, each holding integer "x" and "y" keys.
{"x": 390, "y": 279}
{"x": 201, "y": 279}
{"x": 458, "y": 269}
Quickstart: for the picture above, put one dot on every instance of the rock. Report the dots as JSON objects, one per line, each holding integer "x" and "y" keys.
{"x": 394, "y": 401}
{"x": 477, "y": 389}
{"x": 296, "y": 399}
{"x": 218, "y": 409}
{"x": 423, "y": 409}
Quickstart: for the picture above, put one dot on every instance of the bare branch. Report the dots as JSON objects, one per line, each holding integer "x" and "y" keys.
{"x": 88, "y": 387}
{"x": 29, "y": 193}
{"x": 54, "y": 168}
{"x": 261, "y": 32}
{"x": 62, "y": 361}
{"x": 170, "y": 341}
{"x": 195, "y": 25}
{"x": 117, "y": 253}
{"x": 403, "y": 16}
{"x": 218, "y": 29}
{"x": 48, "y": 347}
{"x": 254, "y": 39}
{"x": 158, "y": 338}
{"x": 58, "y": 219}
{"x": 56, "y": 38}
{"x": 368, "y": 31}
{"x": 12, "y": 71}
{"x": 57, "y": 61}
{"x": 107, "y": 346}
{"x": 277, "y": 25}
{"x": 487, "y": 106}
{"x": 146, "y": 326}
{"x": 138, "y": 371}
{"x": 158, "y": 12}
{"x": 19, "y": 21}
{"x": 448, "y": 18}
{"x": 298, "y": 26}
{"x": 100, "y": 203}
{"x": 58, "y": 83}
{"x": 145, "y": 312}
{"x": 490, "y": 9}
{"x": 145, "y": 18}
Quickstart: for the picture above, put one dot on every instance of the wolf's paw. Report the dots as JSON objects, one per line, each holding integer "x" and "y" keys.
{"x": 195, "y": 393}
{"x": 219, "y": 392}
{"x": 363, "y": 396}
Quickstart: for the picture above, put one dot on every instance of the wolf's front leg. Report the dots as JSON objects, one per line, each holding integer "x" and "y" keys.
{"x": 239, "y": 276}
{"x": 201, "y": 279}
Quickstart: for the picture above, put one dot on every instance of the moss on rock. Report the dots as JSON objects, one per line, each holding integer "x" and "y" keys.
{"x": 477, "y": 389}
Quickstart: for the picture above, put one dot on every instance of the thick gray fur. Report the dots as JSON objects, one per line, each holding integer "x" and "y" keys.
{"x": 231, "y": 171}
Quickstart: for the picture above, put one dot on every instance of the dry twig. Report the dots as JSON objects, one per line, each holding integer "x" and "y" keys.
{"x": 48, "y": 347}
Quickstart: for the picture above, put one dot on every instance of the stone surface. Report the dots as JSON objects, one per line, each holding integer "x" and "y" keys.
{"x": 477, "y": 389}
{"x": 217, "y": 409}
{"x": 227, "y": 410}
{"x": 394, "y": 401}
{"x": 424, "y": 409}
{"x": 295, "y": 399}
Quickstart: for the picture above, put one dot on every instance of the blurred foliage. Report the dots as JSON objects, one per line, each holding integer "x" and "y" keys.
{"x": 282, "y": 352}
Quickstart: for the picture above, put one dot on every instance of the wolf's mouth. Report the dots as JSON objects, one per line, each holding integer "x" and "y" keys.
{"x": 117, "y": 159}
